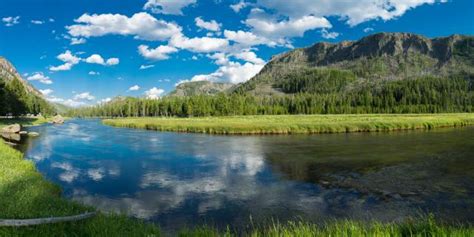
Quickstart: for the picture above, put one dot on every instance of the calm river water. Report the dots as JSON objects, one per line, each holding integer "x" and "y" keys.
{"x": 180, "y": 180}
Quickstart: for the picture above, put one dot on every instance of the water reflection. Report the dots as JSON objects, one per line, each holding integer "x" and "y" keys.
{"x": 186, "y": 179}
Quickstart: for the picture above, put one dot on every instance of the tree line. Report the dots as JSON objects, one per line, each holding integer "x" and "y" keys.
{"x": 16, "y": 101}
{"x": 421, "y": 95}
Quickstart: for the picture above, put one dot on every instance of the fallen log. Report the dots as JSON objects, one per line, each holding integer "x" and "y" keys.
{"x": 48, "y": 220}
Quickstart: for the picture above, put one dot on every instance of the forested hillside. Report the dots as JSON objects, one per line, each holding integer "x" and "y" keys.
{"x": 17, "y": 97}
{"x": 381, "y": 73}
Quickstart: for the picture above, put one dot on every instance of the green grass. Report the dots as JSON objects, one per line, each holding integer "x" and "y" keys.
{"x": 426, "y": 227}
{"x": 292, "y": 124}
{"x": 23, "y": 121}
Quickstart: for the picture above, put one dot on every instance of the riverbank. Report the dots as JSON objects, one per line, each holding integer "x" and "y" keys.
{"x": 24, "y": 193}
{"x": 297, "y": 124}
{"x": 24, "y": 121}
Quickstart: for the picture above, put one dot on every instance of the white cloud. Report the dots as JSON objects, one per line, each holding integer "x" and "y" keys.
{"x": 249, "y": 56}
{"x": 154, "y": 93}
{"x": 46, "y": 92}
{"x": 199, "y": 44}
{"x": 286, "y": 28}
{"x": 37, "y": 22}
{"x": 92, "y": 73}
{"x": 97, "y": 59}
{"x": 134, "y": 88}
{"x": 239, "y": 6}
{"x": 106, "y": 100}
{"x": 353, "y": 12}
{"x": 208, "y": 25}
{"x": 39, "y": 76}
{"x": 247, "y": 38}
{"x": 84, "y": 96}
{"x": 141, "y": 25}
{"x": 368, "y": 29}
{"x": 112, "y": 61}
{"x": 69, "y": 60}
{"x": 159, "y": 53}
{"x": 144, "y": 67}
{"x": 63, "y": 67}
{"x": 76, "y": 41}
{"x": 329, "y": 35}
{"x": 172, "y": 7}
{"x": 11, "y": 20}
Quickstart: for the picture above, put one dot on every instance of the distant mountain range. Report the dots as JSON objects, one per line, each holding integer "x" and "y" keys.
{"x": 375, "y": 58}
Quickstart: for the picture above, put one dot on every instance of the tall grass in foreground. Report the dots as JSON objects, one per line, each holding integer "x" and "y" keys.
{"x": 293, "y": 124}
{"x": 426, "y": 227}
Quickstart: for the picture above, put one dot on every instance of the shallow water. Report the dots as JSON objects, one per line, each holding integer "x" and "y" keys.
{"x": 180, "y": 180}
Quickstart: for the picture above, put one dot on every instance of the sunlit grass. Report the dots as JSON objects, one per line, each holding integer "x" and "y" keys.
{"x": 294, "y": 124}
{"x": 24, "y": 121}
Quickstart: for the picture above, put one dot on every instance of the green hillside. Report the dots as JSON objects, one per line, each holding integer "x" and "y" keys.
{"x": 18, "y": 97}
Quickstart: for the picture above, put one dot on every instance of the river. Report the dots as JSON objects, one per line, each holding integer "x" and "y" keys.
{"x": 180, "y": 180}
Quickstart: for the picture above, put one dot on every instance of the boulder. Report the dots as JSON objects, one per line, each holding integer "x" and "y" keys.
{"x": 58, "y": 119}
{"x": 23, "y": 132}
{"x": 14, "y": 128}
{"x": 33, "y": 134}
{"x": 11, "y": 136}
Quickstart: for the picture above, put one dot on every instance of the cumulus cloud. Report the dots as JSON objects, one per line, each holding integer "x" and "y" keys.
{"x": 11, "y": 20}
{"x": 141, "y": 25}
{"x": 69, "y": 60}
{"x": 239, "y": 6}
{"x": 95, "y": 58}
{"x": 154, "y": 93}
{"x": 329, "y": 35}
{"x": 134, "y": 88}
{"x": 144, "y": 67}
{"x": 172, "y": 7}
{"x": 353, "y": 12}
{"x": 249, "y": 56}
{"x": 286, "y": 28}
{"x": 93, "y": 73}
{"x": 84, "y": 96}
{"x": 159, "y": 53}
{"x": 199, "y": 44}
{"x": 208, "y": 25}
{"x": 40, "y": 77}
{"x": 112, "y": 61}
{"x": 46, "y": 92}
{"x": 105, "y": 100}
{"x": 247, "y": 38}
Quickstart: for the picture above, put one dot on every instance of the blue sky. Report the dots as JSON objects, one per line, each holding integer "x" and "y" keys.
{"x": 84, "y": 52}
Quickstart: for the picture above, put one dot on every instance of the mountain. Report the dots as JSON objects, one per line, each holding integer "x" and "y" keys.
{"x": 17, "y": 96}
{"x": 372, "y": 59}
{"x": 200, "y": 88}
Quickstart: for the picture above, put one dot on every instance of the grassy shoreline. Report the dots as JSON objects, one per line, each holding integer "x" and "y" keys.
{"x": 296, "y": 124}
{"x": 24, "y": 193}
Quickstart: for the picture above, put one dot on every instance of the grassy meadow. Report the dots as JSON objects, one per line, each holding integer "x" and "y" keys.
{"x": 294, "y": 124}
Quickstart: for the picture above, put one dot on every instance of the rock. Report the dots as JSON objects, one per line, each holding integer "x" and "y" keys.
{"x": 14, "y": 128}
{"x": 33, "y": 134}
{"x": 11, "y": 136}
{"x": 23, "y": 132}
{"x": 58, "y": 119}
